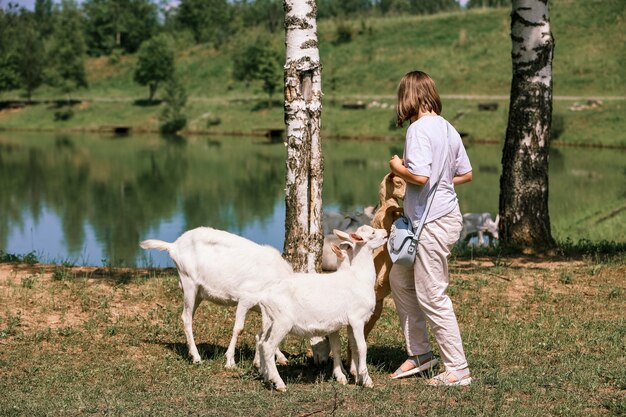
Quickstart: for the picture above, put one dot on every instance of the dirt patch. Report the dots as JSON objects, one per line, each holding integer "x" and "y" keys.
{"x": 42, "y": 297}
{"x": 10, "y": 112}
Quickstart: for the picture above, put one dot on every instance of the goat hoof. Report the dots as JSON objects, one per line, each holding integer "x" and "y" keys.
{"x": 230, "y": 366}
{"x": 282, "y": 361}
{"x": 367, "y": 382}
{"x": 282, "y": 388}
{"x": 342, "y": 380}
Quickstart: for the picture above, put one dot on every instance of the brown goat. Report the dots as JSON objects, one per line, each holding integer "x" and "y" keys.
{"x": 392, "y": 188}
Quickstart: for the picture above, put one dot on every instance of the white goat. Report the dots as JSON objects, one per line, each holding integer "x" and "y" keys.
{"x": 313, "y": 304}
{"x": 347, "y": 223}
{"x": 332, "y": 220}
{"x": 480, "y": 224}
{"x": 219, "y": 266}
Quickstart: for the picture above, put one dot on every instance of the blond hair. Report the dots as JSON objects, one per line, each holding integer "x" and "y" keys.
{"x": 417, "y": 93}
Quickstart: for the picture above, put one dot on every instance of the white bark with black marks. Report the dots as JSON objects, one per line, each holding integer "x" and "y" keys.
{"x": 524, "y": 217}
{"x": 303, "y": 106}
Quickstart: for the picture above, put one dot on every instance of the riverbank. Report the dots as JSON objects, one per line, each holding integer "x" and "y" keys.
{"x": 587, "y": 123}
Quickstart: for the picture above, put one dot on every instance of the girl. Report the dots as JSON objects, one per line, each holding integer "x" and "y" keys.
{"x": 419, "y": 291}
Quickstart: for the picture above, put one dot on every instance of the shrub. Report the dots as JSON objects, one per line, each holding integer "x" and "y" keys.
{"x": 172, "y": 118}
{"x": 343, "y": 33}
{"x": 63, "y": 115}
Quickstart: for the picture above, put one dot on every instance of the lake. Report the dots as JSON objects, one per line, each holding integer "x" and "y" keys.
{"x": 89, "y": 199}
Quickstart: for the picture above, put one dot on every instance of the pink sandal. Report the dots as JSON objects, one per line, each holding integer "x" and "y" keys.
{"x": 428, "y": 361}
{"x": 448, "y": 379}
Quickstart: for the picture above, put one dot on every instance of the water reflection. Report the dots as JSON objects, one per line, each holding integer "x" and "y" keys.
{"x": 90, "y": 199}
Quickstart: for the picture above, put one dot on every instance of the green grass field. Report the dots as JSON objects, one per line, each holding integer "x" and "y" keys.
{"x": 542, "y": 336}
{"x": 467, "y": 52}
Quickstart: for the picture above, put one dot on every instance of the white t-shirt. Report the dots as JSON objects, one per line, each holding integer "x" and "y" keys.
{"x": 424, "y": 148}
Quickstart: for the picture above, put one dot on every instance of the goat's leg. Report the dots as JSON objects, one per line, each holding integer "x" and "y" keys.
{"x": 354, "y": 358}
{"x": 280, "y": 357}
{"x": 363, "y": 377}
{"x": 378, "y": 310}
{"x": 335, "y": 345}
{"x": 240, "y": 318}
{"x": 481, "y": 242}
{"x": 321, "y": 350}
{"x": 270, "y": 339}
{"x": 191, "y": 300}
{"x": 257, "y": 357}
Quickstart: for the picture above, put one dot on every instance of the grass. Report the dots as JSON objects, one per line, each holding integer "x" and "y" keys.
{"x": 468, "y": 52}
{"x": 543, "y": 337}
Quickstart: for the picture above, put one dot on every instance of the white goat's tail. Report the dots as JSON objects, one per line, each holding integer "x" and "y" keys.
{"x": 156, "y": 244}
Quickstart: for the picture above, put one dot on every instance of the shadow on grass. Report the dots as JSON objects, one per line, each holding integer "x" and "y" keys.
{"x": 300, "y": 368}
{"x": 143, "y": 102}
{"x": 386, "y": 358}
{"x": 207, "y": 351}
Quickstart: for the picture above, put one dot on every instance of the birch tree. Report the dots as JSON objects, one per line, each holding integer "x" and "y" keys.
{"x": 303, "y": 106}
{"x": 524, "y": 217}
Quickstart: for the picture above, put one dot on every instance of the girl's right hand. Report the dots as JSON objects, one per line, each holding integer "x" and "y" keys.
{"x": 395, "y": 163}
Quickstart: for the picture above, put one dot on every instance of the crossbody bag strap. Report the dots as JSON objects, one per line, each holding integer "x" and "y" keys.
{"x": 431, "y": 196}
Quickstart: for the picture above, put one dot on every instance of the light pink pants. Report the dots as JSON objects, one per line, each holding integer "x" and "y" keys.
{"x": 420, "y": 293}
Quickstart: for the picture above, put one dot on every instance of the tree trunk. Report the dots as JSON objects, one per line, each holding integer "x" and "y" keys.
{"x": 152, "y": 87}
{"x": 303, "y": 192}
{"x": 524, "y": 217}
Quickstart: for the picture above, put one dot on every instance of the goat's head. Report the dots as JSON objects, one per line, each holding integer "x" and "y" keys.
{"x": 391, "y": 186}
{"x": 491, "y": 226}
{"x": 364, "y": 235}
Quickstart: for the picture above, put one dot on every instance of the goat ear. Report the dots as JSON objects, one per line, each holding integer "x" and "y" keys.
{"x": 346, "y": 244}
{"x": 497, "y": 219}
{"x": 342, "y": 235}
{"x": 337, "y": 251}
{"x": 356, "y": 238}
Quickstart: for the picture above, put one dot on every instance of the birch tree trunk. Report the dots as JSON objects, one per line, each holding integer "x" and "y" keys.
{"x": 303, "y": 193}
{"x": 524, "y": 217}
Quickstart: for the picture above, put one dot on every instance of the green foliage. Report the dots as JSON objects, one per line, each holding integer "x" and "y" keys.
{"x": 331, "y": 8}
{"x": 32, "y": 59}
{"x": 266, "y": 13}
{"x": 124, "y": 24}
{"x": 343, "y": 33}
{"x": 416, "y": 6}
{"x": 67, "y": 52}
{"x": 63, "y": 114}
{"x": 155, "y": 63}
{"x": 172, "y": 118}
{"x": 9, "y": 50}
{"x": 29, "y": 258}
{"x": 488, "y": 3}
{"x": 208, "y": 20}
{"x": 44, "y": 16}
{"x": 259, "y": 61}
